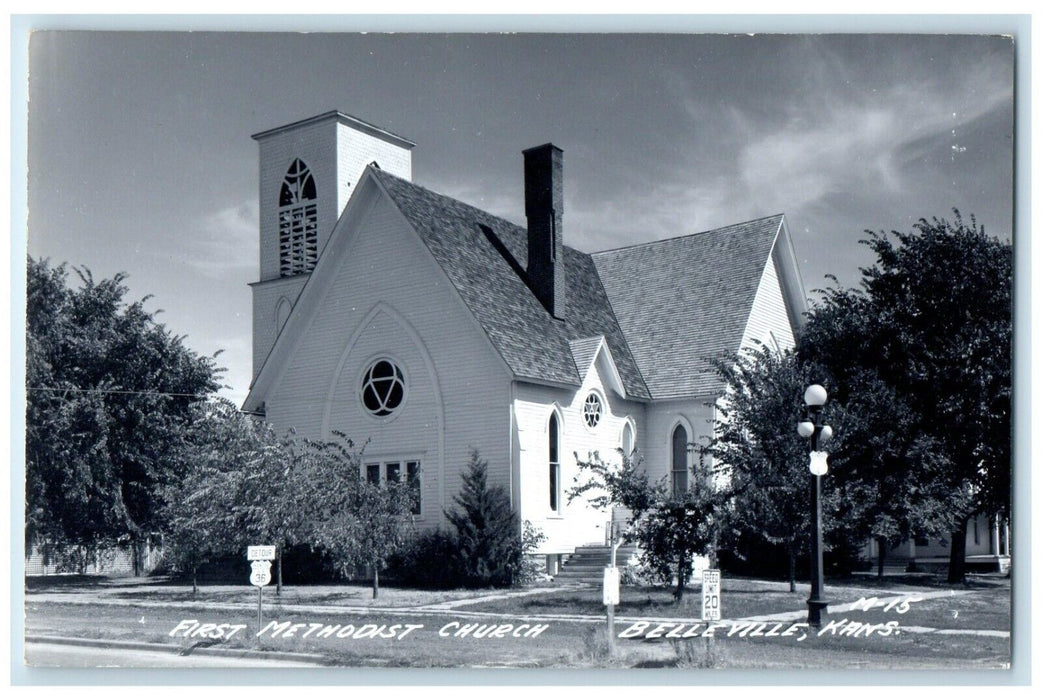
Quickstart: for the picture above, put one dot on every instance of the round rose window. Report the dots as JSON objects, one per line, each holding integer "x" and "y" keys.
{"x": 383, "y": 388}
{"x": 592, "y": 410}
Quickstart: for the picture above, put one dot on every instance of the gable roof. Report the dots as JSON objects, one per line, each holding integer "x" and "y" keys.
{"x": 583, "y": 352}
{"x": 659, "y": 308}
{"x": 683, "y": 299}
{"x": 483, "y": 256}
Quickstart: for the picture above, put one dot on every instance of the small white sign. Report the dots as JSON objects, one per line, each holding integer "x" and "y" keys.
{"x": 711, "y": 594}
{"x": 611, "y": 585}
{"x": 261, "y": 573}
{"x": 256, "y": 552}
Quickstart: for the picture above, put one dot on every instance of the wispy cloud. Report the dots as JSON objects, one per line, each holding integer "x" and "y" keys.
{"x": 226, "y": 240}
{"x": 798, "y": 155}
{"x": 480, "y": 195}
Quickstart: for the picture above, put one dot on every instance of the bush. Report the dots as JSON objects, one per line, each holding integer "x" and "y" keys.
{"x": 428, "y": 560}
{"x": 532, "y": 567}
{"x": 487, "y": 530}
{"x": 489, "y": 547}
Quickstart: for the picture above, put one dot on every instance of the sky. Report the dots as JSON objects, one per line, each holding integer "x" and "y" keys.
{"x": 140, "y": 156}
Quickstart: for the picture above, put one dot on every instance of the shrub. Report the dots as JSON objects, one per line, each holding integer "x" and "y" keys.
{"x": 487, "y": 530}
{"x": 428, "y": 560}
{"x": 531, "y": 565}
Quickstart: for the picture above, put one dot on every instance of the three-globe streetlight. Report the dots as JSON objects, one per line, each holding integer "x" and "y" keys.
{"x": 812, "y": 427}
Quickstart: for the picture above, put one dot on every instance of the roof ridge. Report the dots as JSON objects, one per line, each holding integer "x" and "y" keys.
{"x": 688, "y": 235}
{"x": 490, "y": 215}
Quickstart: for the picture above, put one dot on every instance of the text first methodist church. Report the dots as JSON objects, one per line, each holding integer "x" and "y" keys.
{"x": 431, "y": 328}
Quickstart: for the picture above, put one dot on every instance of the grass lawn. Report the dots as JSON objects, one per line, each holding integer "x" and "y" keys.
{"x": 74, "y": 610}
{"x": 739, "y": 598}
{"x": 561, "y": 645}
{"x": 159, "y": 590}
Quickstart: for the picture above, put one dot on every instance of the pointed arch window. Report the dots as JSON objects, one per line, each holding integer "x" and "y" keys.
{"x": 554, "y": 436}
{"x": 680, "y": 471}
{"x": 298, "y": 221}
{"x": 628, "y": 440}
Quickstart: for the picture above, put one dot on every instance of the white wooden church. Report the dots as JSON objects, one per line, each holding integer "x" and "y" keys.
{"x": 431, "y": 328}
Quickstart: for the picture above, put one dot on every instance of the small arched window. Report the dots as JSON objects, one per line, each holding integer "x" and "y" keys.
{"x": 680, "y": 470}
{"x": 298, "y": 221}
{"x": 282, "y": 314}
{"x": 627, "y": 441}
{"x": 554, "y": 453}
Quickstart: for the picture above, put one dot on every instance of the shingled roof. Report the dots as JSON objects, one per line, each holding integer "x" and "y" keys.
{"x": 684, "y": 299}
{"x": 483, "y": 256}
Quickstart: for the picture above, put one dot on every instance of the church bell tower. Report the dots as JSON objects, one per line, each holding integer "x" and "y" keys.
{"x": 308, "y": 170}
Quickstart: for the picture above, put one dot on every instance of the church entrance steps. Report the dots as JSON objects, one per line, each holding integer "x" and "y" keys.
{"x": 587, "y": 563}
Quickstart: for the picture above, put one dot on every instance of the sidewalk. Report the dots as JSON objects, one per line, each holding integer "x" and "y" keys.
{"x": 451, "y": 607}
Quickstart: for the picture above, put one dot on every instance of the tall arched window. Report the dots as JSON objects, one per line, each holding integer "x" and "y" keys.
{"x": 554, "y": 433}
{"x": 679, "y": 473}
{"x": 298, "y": 221}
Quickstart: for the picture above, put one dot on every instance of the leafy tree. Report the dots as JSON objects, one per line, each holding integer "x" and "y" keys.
{"x": 669, "y": 529}
{"x": 625, "y": 485}
{"x": 274, "y": 505}
{"x": 756, "y": 443}
{"x": 236, "y": 486}
{"x": 356, "y": 522}
{"x": 108, "y": 396}
{"x": 488, "y": 532}
{"x": 932, "y": 322}
{"x": 677, "y": 529}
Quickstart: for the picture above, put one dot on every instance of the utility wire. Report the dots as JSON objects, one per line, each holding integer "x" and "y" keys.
{"x": 116, "y": 391}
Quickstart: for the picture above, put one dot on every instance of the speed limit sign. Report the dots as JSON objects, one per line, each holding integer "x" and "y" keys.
{"x": 711, "y": 594}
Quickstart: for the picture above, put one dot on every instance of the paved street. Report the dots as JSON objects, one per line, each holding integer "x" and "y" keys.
{"x": 68, "y": 656}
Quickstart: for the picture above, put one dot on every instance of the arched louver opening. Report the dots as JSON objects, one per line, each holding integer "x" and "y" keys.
{"x": 298, "y": 221}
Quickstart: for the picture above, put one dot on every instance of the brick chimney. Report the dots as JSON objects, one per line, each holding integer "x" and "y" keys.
{"x": 544, "y": 208}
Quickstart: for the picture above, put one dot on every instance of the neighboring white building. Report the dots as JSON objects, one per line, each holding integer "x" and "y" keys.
{"x": 429, "y": 328}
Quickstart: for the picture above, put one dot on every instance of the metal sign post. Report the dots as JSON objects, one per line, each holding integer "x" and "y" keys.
{"x": 611, "y": 589}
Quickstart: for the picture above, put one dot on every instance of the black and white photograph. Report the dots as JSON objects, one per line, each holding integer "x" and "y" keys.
{"x": 669, "y": 352}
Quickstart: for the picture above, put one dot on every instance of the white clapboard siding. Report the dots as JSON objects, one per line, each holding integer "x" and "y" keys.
{"x": 663, "y": 417}
{"x": 577, "y": 523}
{"x": 768, "y": 320}
{"x": 269, "y": 298}
{"x": 390, "y": 298}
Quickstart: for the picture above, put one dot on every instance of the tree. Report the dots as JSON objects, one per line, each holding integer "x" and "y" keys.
{"x": 669, "y": 529}
{"x": 932, "y": 322}
{"x": 625, "y": 485}
{"x": 274, "y": 504}
{"x": 756, "y": 444}
{"x": 235, "y": 486}
{"x": 108, "y": 394}
{"x": 677, "y": 529}
{"x": 356, "y": 522}
{"x": 488, "y": 531}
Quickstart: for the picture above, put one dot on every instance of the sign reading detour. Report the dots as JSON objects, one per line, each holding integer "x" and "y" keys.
{"x": 257, "y": 552}
{"x": 711, "y": 594}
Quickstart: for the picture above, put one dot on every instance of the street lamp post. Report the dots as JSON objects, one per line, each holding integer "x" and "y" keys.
{"x": 812, "y": 427}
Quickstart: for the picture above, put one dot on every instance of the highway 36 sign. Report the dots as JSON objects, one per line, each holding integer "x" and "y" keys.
{"x": 261, "y": 573}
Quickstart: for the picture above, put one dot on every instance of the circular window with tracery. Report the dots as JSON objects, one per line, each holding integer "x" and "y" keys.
{"x": 383, "y": 388}
{"x": 592, "y": 410}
